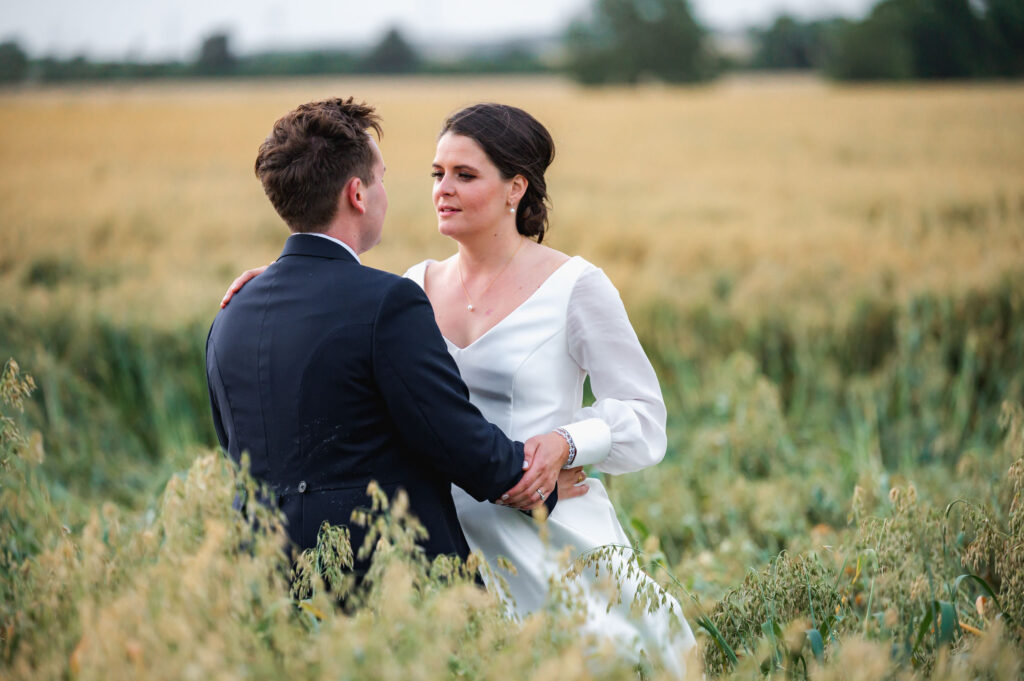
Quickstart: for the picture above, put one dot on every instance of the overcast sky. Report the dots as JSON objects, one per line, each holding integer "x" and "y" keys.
{"x": 160, "y": 29}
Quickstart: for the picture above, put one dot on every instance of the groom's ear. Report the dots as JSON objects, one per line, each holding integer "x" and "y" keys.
{"x": 353, "y": 195}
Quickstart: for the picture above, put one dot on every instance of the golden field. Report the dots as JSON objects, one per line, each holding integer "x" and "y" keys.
{"x": 787, "y": 192}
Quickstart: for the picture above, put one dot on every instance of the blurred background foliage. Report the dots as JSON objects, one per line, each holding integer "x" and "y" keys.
{"x": 628, "y": 41}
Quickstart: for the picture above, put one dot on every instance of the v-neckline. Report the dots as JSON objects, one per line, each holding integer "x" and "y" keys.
{"x": 511, "y": 312}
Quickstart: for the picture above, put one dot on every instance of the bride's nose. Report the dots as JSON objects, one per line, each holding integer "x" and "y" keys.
{"x": 445, "y": 187}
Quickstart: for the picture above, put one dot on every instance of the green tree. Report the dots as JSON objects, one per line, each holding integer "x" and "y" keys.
{"x": 215, "y": 56}
{"x": 874, "y": 49}
{"x": 1004, "y": 27}
{"x": 792, "y": 44}
{"x": 13, "y": 62}
{"x": 626, "y": 41}
{"x": 393, "y": 54}
{"x": 933, "y": 39}
{"x": 946, "y": 38}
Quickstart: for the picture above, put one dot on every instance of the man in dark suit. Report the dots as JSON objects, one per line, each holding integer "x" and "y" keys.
{"x": 331, "y": 374}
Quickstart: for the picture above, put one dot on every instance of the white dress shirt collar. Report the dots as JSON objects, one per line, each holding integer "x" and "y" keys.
{"x": 340, "y": 243}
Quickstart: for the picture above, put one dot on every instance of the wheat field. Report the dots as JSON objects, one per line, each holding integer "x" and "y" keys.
{"x": 785, "y": 192}
{"x": 828, "y": 279}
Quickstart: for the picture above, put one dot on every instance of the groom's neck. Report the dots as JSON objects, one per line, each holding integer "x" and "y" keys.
{"x": 347, "y": 235}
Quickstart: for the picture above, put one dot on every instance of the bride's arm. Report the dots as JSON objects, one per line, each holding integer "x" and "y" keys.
{"x": 624, "y": 430}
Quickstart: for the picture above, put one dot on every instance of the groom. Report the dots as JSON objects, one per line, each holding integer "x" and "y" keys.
{"x": 331, "y": 374}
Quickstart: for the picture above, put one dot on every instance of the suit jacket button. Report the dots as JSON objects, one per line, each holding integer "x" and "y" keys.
{"x": 302, "y": 487}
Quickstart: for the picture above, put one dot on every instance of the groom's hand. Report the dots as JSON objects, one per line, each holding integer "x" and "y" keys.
{"x": 544, "y": 457}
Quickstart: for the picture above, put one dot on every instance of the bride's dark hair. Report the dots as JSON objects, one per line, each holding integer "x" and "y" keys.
{"x": 517, "y": 144}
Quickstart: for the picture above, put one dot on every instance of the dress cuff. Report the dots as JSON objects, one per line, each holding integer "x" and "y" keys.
{"x": 593, "y": 439}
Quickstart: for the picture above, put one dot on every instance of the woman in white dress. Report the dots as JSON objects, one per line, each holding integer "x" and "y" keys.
{"x": 526, "y": 324}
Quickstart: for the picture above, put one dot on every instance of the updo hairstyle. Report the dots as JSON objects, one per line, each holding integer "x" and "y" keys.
{"x": 517, "y": 144}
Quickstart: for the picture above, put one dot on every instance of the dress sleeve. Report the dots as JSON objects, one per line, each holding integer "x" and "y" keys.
{"x": 624, "y": 430}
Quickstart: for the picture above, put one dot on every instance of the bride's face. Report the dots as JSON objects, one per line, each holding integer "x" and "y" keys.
{"x": 469, "y": 191}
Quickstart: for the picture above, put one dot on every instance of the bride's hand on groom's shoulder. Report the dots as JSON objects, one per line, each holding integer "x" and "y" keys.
{"x": 238, "y": 283}
{"x": 544, "y": 457}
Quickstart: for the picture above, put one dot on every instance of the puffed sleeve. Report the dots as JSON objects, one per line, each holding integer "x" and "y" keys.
{"x": 624, "y": 430}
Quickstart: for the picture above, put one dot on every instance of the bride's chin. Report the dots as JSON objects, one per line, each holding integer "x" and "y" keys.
{"x": 447, "y": 230}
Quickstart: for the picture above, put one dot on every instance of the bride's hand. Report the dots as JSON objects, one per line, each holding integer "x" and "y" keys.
{"x": 571, "y": 483}
{"x": 238, "y": 283}
{"x": 544, "y": 457}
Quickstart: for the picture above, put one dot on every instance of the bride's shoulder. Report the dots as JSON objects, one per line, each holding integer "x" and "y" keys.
{"x": 573, "y": 270}
{"x": 576, "y": 265}
{"x": 418, "y": 272}
{"x": 549, "y": 260}
{"x": 549, "y": 254}
{"x": 590, "y": 281}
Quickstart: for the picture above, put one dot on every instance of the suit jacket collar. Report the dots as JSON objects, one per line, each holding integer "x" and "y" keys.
{"x": 317, "y": 247}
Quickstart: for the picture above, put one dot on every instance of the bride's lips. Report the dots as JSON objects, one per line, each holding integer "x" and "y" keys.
{"x": 447, "y": 211}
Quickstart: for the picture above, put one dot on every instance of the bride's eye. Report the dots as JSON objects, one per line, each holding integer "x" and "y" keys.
{"x": 436, "y": 174}
{"x": 466, "y": 176}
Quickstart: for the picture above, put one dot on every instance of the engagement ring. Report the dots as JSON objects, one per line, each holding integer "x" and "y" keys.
{"x": 540, "y": 493}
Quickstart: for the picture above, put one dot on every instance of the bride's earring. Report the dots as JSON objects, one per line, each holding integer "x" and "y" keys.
{"x": 511, "y": 208}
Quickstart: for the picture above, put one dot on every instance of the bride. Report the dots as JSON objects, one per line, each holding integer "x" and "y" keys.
{"x": 526, "y": 324}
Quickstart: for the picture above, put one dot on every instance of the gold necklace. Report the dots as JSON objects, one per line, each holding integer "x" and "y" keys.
{"x": 487, "y": 288}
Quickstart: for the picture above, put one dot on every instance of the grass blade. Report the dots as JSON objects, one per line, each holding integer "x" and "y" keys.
{"x": 921, "y": 630}
{"x": 947, "y": 622}
{"x": 817, "y": 644}
{"x": 705, "y": 623}
{"x": 985, "y": 586}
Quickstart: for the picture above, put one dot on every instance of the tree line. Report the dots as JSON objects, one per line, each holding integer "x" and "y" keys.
{"x": 631, "y": 41}
{"x": 903, "y": 39}
{"x": 215, "y": 58}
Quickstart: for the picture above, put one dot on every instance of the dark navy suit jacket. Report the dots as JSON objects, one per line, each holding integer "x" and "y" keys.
{"x": 331, "y": 374}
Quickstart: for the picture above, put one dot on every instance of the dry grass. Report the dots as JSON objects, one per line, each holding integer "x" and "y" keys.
{"x": 762, "y": 193}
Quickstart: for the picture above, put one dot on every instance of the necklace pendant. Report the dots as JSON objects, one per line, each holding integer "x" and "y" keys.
{"x": 470, "y": 307}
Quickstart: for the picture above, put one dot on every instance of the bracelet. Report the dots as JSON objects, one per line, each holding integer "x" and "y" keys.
{"x": 572, "y": 446}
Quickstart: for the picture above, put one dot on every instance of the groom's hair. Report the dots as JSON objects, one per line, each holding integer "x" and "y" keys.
{"x": 311, "y": 154}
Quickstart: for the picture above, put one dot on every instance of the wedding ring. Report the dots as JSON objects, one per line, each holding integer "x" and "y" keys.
{"x": 582, "y": 476}
{"x": 540, "y": 493}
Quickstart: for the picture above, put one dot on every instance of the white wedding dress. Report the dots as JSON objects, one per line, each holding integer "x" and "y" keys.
{"x": 526, "y": 375}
